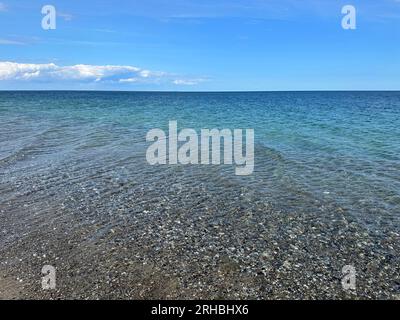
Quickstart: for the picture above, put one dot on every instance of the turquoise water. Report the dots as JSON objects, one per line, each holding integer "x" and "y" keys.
{"x": 315, "y": 151}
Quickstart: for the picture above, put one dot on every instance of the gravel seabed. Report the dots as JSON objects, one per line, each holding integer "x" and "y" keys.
{"x": 111, "y": 237}
{"x": 77, "y": 193}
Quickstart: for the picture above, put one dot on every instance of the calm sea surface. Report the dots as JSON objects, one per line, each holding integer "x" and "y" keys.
{"x": 313, "y": 149}
{"x": 76, "y": 192}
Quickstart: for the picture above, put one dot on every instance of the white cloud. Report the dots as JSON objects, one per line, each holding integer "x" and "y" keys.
{"x": 11, "y": 42}
{"x": 65, "y": 16}
{"x": 128, "y": 80}
{"x": 12, "y": 71}
{"x": 3, "y": 7}
{"x": 188, "y": 82}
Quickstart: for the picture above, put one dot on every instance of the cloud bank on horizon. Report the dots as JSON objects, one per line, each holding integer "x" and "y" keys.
{"x": 12, "y": 71}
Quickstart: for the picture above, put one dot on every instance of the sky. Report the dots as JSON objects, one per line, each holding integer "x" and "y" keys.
{"x": 200, "y": 45}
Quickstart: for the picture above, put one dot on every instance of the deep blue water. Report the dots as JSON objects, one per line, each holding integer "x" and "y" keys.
{"x": 314, "y": 150}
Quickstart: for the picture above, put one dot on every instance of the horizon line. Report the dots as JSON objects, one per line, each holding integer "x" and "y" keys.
{"x": 195, "y": 91}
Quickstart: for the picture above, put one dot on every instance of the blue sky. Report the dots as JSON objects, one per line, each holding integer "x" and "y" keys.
{"x": 200, "y": 45}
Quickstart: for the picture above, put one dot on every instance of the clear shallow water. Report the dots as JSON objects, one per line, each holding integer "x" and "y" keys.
{"x": 329, "y": 150}
{"x": 76, "y": 192}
